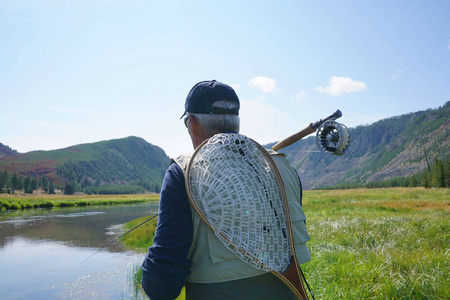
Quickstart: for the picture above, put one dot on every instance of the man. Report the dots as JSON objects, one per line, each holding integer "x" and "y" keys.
{"x": 185, "y": 251}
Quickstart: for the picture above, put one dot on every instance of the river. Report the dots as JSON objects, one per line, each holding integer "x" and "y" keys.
{"x": 43, "y": 253}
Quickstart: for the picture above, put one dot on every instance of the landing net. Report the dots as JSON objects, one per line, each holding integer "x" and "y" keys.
{"x": 235, "y": 186}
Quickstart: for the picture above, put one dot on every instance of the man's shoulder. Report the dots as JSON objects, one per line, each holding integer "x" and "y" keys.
{"x": 182, "y": 161}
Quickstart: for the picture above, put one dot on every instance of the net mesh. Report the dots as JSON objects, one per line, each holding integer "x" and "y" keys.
{"x": 233, "y": 184}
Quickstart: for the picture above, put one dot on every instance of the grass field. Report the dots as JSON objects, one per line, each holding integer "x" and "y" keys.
{"x": 38, "y": 201}
{"x": 379, "y": 243}
{"x": 371, "y": 243}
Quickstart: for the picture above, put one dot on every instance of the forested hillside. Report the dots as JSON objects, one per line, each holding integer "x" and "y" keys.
{"x": 6, "y": 151}
{"x": 393, "y": 147}
{"x": 87, "y": 167}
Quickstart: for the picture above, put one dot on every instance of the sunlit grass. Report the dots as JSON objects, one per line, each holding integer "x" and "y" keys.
{"x": 48, "y": 201}
{"x": 142, "y": 237}
{"x": 378, "y": 244}
{"x": 139, "y": 240}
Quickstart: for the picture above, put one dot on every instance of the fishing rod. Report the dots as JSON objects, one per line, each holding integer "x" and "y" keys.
{"x": 115, "y": 240}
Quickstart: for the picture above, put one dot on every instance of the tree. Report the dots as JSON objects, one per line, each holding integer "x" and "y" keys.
{"x": 438, "y": 177}
{"x": 425, "y": 182}
{"x": 85, "y": 183}
{"x": 15, "y": 182}
{"x": 34, "y": 184}
{"x": 51, "y": 188}
{"x": 3, "y": 179}
{"x": 45, "y": 184}
{"x": 68, "y": 189}
{"x": 157, "y": 188}
{"x": 27, "y": 185}
{"x": 413, "y": 181}
{"x": 447, "y": 173}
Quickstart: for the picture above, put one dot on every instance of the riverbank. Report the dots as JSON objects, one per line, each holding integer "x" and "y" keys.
{"x": 48, "y": 201}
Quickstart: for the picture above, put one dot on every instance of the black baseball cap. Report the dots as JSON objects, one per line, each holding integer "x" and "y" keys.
{"x": 202, "y": 96}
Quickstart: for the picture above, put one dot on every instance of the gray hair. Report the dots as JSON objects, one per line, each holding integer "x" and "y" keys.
{"x": 216, "y": 123}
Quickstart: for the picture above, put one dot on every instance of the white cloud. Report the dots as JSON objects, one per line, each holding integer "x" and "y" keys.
{"x": 297, "y": 97}
{"x": 342, "y": 85}
{"x": 393, "y": 77}
{"x": 265, "y": 84}
{"x": 396, "y": 75}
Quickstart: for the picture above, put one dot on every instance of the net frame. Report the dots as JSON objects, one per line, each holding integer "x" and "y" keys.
{"x": 236, "y": 188}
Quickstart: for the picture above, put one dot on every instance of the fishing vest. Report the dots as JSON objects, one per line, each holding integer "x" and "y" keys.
{"x": 212, "y": 262}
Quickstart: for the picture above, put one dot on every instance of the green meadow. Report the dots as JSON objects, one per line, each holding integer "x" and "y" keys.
{"x": 368, "y": 243}
{"x": 48, "y": 201}
{"x": 379, "y": 243}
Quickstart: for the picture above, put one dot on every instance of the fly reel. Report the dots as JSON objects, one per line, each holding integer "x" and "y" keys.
{"x": 332, "y": 138}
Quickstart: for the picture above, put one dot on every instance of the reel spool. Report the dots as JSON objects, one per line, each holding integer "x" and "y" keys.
{"x": 332, "y": 138}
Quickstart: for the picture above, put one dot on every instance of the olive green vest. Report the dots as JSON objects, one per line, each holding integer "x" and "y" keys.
{"x": 212, "y": 262}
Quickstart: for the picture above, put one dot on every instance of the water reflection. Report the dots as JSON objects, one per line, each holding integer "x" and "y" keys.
{"x": 41, "y": 252}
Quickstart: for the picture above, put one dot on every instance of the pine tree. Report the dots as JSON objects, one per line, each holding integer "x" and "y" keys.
{"x": 157, "y": 188}
{"x": 3, "y": 179}
{"x": 438, "y": 177}
{"x": 27, "y": 185}
{"x": 425, "y": 182}
{"x": 413, "y": 181}
{"x": 45, "y": 184}
{"x": 447, "y": 173}
{"x": 15, "y": 182}
{"x": 51, "y": 188}
{"x": 68, "y": 189}
{"x": 34, "y": 184}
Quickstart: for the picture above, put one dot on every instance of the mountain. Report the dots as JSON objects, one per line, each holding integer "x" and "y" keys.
{"x": 119, "y": 162}
{"x": 397, "y": 146}
{"x": 7, "y": 151}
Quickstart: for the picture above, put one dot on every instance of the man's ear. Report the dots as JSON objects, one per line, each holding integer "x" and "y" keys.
{"x": 194, "y": 124}
{"x": 198, "y": 135}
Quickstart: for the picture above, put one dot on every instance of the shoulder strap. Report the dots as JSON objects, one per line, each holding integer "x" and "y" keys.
{"x": 273, "y": 152}
{"x": 182, "y": 161}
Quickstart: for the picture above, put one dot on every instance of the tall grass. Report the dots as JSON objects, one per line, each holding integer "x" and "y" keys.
{"x": 369, "y": 243}
{"x": 379, "y": 244}
{"x": 49, "y": 201}
{"x": 139, "y": 240}
{"x": 142, "y": 237}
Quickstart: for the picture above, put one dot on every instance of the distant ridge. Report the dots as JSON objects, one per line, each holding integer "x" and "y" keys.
{"x": 396, "y": 146}
{"x": 7, "y": 151}
{"x": 388, "y": 148}
{"x": 114, "y": 162}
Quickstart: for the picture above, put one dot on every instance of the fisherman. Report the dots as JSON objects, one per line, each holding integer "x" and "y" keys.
{"x": 185, "y": 252}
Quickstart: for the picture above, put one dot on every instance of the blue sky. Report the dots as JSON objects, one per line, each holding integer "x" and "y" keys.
{"x": 76, "y": 72}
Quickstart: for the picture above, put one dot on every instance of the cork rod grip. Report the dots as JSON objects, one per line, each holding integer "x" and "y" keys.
{"x": 294, "y": 138}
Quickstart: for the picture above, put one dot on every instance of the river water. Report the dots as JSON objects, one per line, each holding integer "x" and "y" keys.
{"x": 43, "y": 253}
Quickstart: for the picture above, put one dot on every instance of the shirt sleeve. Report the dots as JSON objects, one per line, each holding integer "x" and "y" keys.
{"x": 166, "y": 266}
